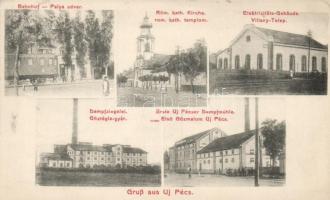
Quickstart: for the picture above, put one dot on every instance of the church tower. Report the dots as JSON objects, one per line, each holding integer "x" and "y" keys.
{"x": 145, "y": 41}
{"x": 145, "y": 50}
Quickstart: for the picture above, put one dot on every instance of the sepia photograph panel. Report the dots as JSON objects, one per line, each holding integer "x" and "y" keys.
{"x": 59, "y": 53}
{"x": 260, "y": 58}
{"x": 77, "y": 148}
{"x": 161, "y": 65}
{"x": 224, "y": 154}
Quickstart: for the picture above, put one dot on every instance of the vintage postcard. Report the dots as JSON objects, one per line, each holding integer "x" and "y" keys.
{"x": 180, "y": 99}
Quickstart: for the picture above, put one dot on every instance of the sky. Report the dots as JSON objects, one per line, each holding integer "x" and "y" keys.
{"x": 225, "y": 22}
{"x": 54, "y": 126}
{"x": 269, "y": 108}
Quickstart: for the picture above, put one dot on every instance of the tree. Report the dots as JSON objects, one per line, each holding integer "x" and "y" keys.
{"x": 105, "y": 42}
{"x": 99, "y": 38}
{"x": 174, "y": 66}
{"x": 121, "y": 79}
{"x": 64, "y": 32}
{"x": 92, "y": 35}
{"x": 23, "y": 29}
{"x": 274, "y": 137}
{"x": 80, "y": 44}
{"x": 195, "y": 62}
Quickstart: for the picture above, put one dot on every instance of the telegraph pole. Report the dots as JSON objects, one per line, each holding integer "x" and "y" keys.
{"x": 309, "y": 34}
{"x": 256, "y": 158}
{"x": 75, "y": 122}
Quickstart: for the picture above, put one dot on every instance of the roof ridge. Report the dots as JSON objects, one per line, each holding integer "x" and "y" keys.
{"x": 280, "y": 31}
{"x": 196, "y": 134}
{"x": 214, "y": 144}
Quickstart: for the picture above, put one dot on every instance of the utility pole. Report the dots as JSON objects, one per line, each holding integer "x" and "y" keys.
{"x": 247, "y": 114}
{"x": 256, "y": 159}
{"x": 75, "y": 122}
{"x": 309, "y": 34}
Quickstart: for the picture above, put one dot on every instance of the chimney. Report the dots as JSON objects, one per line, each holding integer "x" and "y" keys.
{"x": 247, "y": 114}
{"x": 75, "y": 122}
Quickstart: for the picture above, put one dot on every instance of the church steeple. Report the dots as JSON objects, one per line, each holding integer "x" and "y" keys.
{"x": 145, "y": 41}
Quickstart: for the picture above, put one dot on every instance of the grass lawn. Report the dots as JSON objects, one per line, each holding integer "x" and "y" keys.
{"x": 76, "y": 178}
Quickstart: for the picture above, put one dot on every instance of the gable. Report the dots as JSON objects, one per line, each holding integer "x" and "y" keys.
{"x": 250, "y": 38}
{"x": 253, "y": 32}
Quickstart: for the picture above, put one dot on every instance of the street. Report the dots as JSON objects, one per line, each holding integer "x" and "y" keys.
{"x": 139, "y": 97}
{"x": 211, "y": 180}
{"x": 92, "y": 88}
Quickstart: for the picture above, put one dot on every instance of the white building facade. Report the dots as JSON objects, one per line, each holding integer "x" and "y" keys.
{"x": 232, "y": 152}
{"x": 258, "y": 48}
{"x": 86, "y": 155}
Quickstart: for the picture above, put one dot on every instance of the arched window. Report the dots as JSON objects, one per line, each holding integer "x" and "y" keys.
{"x": 324, "y": 64}
{"x": 314, "y": 64}
{"x": 220, "y": 63}
{"x": 292, "y": 63}
{"x": 237, "y": 62}
{"x": 278, "y": 61}
{"x": 225, "y": 63}
{"x": 259, "y": 61}
{"x": 147, "y": 47}
{"x": 303, "y": 64}
{"x": 247, "y": 61}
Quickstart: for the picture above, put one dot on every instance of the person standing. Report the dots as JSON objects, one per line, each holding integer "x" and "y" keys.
{"x": 106, "y": 86}
{"x": 189, "y": 172}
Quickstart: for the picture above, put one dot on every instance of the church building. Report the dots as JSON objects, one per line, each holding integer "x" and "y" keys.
{"x": 146, "y": 60}
{"x": 256, "y": 48}
{"x": 150, "y": 68}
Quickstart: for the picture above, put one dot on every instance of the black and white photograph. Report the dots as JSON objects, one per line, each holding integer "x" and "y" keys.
{"x": 259, "y": 58}
{"x": 160, "y": 64}
{"x": 59, "y": 53}
{"x": 223, "y": 154}
{"x": 78, "y": 144}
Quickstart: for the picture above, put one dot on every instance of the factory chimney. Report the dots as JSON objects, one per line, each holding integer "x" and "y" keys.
{"x": 75, "y": 122}
{"x": 247, "y": 114}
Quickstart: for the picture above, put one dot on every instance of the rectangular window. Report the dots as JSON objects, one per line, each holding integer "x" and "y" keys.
{"x": 232, "y": 160}
{"x": 251, "y": 160}
{"x": 314, "y": 64}
{"x": 251, "y": 151}
{"x": 303, "y": 63}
